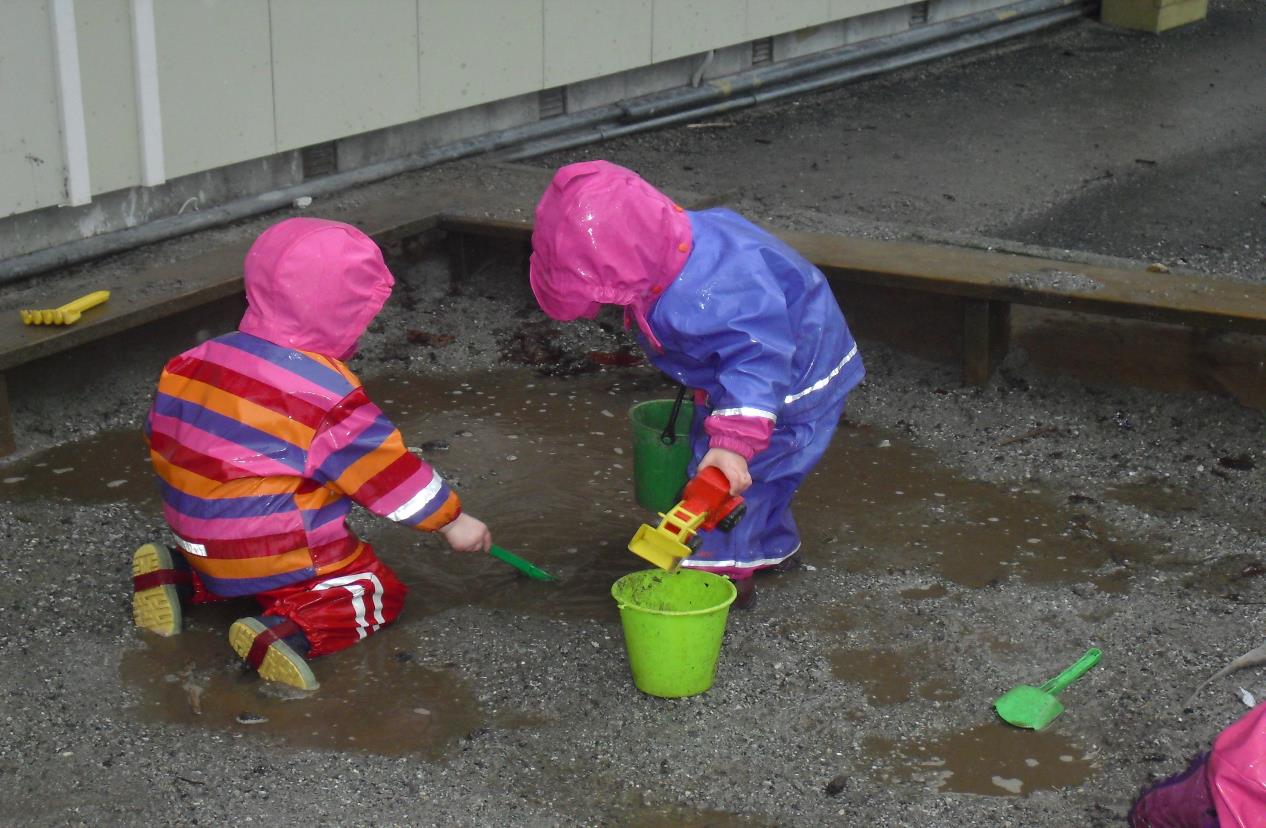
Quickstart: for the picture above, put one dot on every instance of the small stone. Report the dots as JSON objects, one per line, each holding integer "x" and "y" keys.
{"x": 248, "y": 718}
{"x": 837, "y": 785}
{"x": 1157, "y": 267}
{"x": 422, "y": 711}
{"x": 435, "y": 445}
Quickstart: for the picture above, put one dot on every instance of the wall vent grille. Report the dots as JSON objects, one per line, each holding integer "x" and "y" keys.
{"x": 762, "y": 51}
{"x": 553, "y": 102}
{"x": 319, "y": 160}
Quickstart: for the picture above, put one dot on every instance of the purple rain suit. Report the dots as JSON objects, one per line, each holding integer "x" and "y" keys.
{"x": 754, "y": 326}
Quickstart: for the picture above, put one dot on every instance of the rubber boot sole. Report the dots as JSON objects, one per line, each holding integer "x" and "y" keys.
{"x": 281, "y": 663}
{"x": 156, "y": 609}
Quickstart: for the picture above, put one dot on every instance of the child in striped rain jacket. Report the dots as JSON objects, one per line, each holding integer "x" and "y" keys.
{"x": 263, "y": 439}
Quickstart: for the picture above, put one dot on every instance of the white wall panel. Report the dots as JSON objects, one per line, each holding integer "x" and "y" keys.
{"x": 768, "y": 17}
{"x": 685, "y": 27}
{"x": 341, "y": 68}
{"x": 215, "y": 82}
{"x": 32, "y": 169}
{"x": 473, "y": 53}
{"x": 851, "y": 8}
{"x": 105, "y": 62}
{"x": 591, "y": 38}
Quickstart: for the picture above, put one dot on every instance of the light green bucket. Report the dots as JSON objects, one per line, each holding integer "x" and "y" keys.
{"x": 673, "y": 626}
{"x": 659, "y": 469}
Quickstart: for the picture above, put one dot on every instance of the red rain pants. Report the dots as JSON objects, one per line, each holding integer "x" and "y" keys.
{"x": 334, "y": 610}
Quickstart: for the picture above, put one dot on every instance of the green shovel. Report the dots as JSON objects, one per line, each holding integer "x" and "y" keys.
{"x": 531, "y": 570}
{"x": 1036, "y": 707}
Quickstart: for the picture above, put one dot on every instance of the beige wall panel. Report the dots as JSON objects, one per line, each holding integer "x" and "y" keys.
{"x": 591, "y": 38}
{"x": 686, "y": 27}
{"x": 343, "y": 68}
{"x": 473, "y": 53}
{"x": 215, "y": 82}
{"x": 851, "y": 8}
{"x": 109, "y": 87}
{"x": 31, "y": 165}
{"x": 770, "y": 17}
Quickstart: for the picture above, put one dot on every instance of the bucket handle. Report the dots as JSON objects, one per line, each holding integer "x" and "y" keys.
{"x": 669, "y": 435}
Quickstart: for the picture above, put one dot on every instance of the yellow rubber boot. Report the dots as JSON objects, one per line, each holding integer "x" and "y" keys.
{"x": 275, "y": 660}
{"x": 155, "y": 608}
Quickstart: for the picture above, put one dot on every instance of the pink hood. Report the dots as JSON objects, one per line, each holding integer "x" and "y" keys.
{"x": 314, "y": 285}
{"x": 604, "y": 236}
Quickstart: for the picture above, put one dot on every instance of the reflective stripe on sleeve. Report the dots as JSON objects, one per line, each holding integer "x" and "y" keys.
{"x": 822, "y": 383}
{"x": 744, "y": 412}
{"x": 419, "y": 501}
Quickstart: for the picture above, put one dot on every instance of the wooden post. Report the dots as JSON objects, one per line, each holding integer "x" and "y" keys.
{"x": 1154, "y": 16}
{"x": 986, "y": 337}
{"x": 458, "y": 266}
{"x": 7, "y": 444}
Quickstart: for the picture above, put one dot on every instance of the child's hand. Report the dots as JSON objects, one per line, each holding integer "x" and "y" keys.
{"x": 467, "y": 534}
{"x": 733, "y": 465}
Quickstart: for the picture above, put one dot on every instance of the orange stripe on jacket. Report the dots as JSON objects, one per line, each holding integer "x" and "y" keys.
{"x": 373, "y": 462}
{"x": 239, "y": 409}
{"x": 192, "y": 483}
{"x": 260, "y": 567}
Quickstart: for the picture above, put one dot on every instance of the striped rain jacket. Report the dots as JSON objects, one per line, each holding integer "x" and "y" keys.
{"x": 263, "y": 439}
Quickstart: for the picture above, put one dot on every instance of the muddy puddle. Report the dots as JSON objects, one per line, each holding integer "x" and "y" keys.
{"x": 373, "y": 699}
{"x": 990, "y": 759}
{"x": 884, "y": 505}
{"x": 547, "y": 462}
{"x": 890, "y": 677}
{"x": 107, "y": 467}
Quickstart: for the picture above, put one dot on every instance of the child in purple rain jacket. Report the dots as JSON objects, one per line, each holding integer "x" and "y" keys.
{"x": 725, "y": 308}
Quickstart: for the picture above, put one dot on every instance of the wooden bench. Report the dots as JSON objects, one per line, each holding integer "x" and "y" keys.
{"x": 989, "y": 283}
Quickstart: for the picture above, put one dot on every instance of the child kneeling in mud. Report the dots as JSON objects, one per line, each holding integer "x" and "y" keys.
{"x": 724, "y": 308}
{"x": 262, "y": 439}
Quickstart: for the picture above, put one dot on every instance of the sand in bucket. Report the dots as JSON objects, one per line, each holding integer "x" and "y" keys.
{"x": 673, "y": 626}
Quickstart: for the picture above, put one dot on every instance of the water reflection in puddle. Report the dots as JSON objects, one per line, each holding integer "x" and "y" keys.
{"x": 108, "y": 467}
{"x": 374, "y": 697}
{"x": 893, "y": 506}
{"x": 891, "y": 677}
{"x": 991, "y": 759}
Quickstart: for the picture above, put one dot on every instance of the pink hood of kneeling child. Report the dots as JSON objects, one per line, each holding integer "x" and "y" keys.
{"x": 603, "y": 236}
{"x": 314, "y": 285}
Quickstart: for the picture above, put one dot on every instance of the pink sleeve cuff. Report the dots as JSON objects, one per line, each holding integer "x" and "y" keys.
{"x": 742, "y": 435}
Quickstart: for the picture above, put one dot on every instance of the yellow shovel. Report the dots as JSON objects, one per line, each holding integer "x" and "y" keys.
{"x": 67, "y": 314}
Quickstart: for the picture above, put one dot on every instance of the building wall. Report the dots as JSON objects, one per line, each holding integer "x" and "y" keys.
{"x": 170, "y": 90}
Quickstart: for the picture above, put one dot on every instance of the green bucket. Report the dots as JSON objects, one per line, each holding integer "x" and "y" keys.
{"x": 673, "y": 626}
{"x": 659, "y": 468}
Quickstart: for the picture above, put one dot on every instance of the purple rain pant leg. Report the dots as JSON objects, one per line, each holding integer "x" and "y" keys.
{"x": 767, "y": 534}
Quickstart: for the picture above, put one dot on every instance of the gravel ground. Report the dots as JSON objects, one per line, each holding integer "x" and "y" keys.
{"x": 854, "y": 685}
